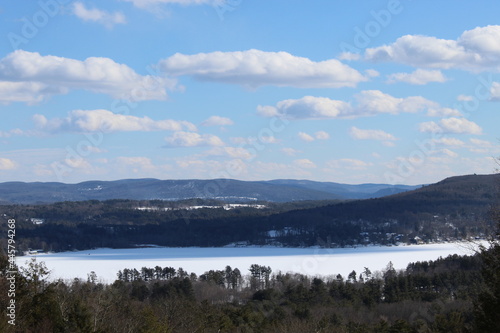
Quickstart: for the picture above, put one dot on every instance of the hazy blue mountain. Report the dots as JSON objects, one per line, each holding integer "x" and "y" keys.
{"x": 361, "y": 191}
{"x": 224, "y": 189}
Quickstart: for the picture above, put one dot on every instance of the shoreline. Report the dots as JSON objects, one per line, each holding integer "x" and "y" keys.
{"x": 107, "y": 262}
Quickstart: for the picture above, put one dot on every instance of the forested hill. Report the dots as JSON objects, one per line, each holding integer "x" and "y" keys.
{"x": 223, "y": 189}
{"x": 453, "y": 209}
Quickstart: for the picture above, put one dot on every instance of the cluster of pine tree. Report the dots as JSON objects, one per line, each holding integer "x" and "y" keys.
{"x": 455, "y": 294}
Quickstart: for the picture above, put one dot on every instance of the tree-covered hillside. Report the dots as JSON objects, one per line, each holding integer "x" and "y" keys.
{"x": 455, "y": 208}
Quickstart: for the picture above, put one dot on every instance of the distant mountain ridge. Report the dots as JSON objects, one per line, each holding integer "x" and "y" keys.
{"x": 225, "y": 189}
{"x": 347, "y": 191}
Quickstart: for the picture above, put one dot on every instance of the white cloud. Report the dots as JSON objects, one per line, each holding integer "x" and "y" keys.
{"x": 484, "y": 147}
{"x": 495, "y": 91}
{"x": 12, "y": 132}
{"x": 389, "y": 143}
{"x": 449, "y": 142}
{"x": 239, "y": 140}
{"x": 348, "y": 163}
{"x": 465, "y": 98}
{"x": 368, "y": 103}
{"x": 98, "y": 16}
{"x": 475, "y": 50}
{"x": 107, "y": 121}
{"x": 140, "y": 162}
{"x": 430, "y": 127}
{"x": 6, "y": 164}
{"x": 78, "y": 163}
{"x": 306, "y": 107}
{"x": 290, "y": 151}
{"x": 443, "y": 112}
{"x": 448, "y": 152}
{"x": 322, "y": 135}
{"x": 349, "y": 56}
{"x": 192, "y": 139}
{"x": 482, "y": 143}
{"x": 361, "y": 134}
{"x": 372, "y": 73}
{"x": 30, "y": 77}
{"x": 268, "y": 139}
{"x": 217, "y": 121}
{"x": 304, "y": 163}
{"x": 233, "y": 152}
{"x": 375, "y": 102}
{"x": 418, "y": 77}
{"x": 255, "y": 68}
{"x": 27, "y": 92}
{"x": 305, "y": 137}
{"x": 134, "y": 160}
{"x": 151, "y": 3}
{"x": 451, "y": 125}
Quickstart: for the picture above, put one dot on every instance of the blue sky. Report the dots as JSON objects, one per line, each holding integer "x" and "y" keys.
{"x": 354, "y": 92}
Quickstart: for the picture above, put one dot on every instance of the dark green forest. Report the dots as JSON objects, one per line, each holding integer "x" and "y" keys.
{"x": 454, "y": 294}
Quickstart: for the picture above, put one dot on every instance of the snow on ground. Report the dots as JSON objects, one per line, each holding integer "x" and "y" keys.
{"x": 311, "y": 261}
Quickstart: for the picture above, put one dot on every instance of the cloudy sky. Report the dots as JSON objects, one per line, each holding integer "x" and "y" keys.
{"x": 372, "y": 91}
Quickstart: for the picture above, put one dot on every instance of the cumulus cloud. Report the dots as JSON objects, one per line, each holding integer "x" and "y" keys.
{"x": 217, "y": 121}
{"x": 306, "y": 107}
{"x": 97, "y": 15}
{"x": 6, "y": 164}
{"x": 305, "y": 137}
{"x": 348, "y": 163}
{"x": 27, "y": 92}
{"x": 443, "y": 112}
{"x": 451, "y": 125}
{"x": 475, "y": 50}
{"x": 30, "y": 77}
{"x": 255, "y": 68}
{"x": 304, "y": 163}
{"x": 192, "y": 139}
{"x": 361, "y": 134}
{"x": 322, "y": 135}
{"x": 367, "y": 103}
{"x": 107, "y": 121}
{"x": 418, "y": 77}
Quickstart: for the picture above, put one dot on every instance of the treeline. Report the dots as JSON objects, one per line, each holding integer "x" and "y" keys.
{"x": 119, "y": 224}
{"x": 455, "y": 294}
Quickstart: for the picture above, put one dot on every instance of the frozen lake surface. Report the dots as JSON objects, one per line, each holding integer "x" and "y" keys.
{"x": 311, "y": 261}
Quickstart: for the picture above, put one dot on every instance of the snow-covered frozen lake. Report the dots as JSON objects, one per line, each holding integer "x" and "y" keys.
{"x": 107, "y": 262}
